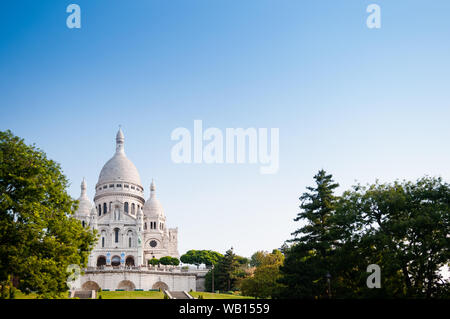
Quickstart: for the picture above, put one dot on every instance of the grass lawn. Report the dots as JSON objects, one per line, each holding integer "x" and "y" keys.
{"x": 210, "y": 295}
{"x": 21, "y": 295}
{"x": 110, "y": 295}
{"x": 145, "y": 295}
{"x": 132, "y": 295}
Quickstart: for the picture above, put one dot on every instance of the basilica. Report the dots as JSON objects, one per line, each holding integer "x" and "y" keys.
{"x": 131, "y": 230}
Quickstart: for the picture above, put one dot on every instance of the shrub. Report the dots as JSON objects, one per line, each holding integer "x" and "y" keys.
{"x": 12, "y": 292}
{"x": 153, "y": 261}
{"x": 168, "y": 260}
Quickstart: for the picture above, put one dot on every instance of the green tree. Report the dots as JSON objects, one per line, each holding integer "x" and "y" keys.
{"x": 168, "y": 260}
{"x": 263, "y": 283}
{"x": 39, "y": 237}
{"x": 261, "y": 257}
{"x": 226, "y": 270}
{"x": 198, "y": 257}
{"x": 175, "y": 261}
{"x": 403, "y": 227}
{"x": 208, "y": 280}
{"x": 242, "y": 261}
{"x": 257, "y": 258}
{"x": 153, "y": 261}
{"x": 308, "y": 260}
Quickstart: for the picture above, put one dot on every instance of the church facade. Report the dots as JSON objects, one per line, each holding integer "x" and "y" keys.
{"x": 131, "y": 231}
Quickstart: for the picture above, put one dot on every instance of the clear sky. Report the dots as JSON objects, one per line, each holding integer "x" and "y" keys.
{"x": 364, "y": 104}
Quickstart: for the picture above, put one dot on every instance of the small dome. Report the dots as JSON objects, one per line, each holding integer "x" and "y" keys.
{"x": 93, "y": 213}
{"x": 119, "y": 168}
{"x": 153, "y": 207}
{"x": 84, "y": 203}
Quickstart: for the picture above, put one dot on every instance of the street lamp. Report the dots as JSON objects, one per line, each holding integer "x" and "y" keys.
{"x": 328, "y": 276}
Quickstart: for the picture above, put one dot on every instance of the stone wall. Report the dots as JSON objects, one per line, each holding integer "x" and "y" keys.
{"x": 130, "y": 280}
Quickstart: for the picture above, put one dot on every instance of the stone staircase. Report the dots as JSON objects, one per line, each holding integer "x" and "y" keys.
{"x": 83, "y": 294}
{"x": 178, "y": 295}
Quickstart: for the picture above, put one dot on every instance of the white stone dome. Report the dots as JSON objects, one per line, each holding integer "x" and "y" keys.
{"x": 152, "y": 207}
{"x": 119, "y": 168}
{"x": 85, "y": 205}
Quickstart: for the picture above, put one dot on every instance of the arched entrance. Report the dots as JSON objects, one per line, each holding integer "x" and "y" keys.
{"x": 129, "y": 261}
{"x": 115, "y": 261}
{"x": 101, "y": 261}
{"x": 126, "y": 285}
{"x": 160, "y": 285}
{"x": 90, "y": 285}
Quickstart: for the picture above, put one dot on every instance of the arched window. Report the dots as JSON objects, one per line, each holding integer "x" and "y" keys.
{"x": 125, "y": 207}
{"x": 145, "y": 226}
{"x": 104, "y": 208}
{"x": 115, "y": 261}
{"x": 82, "y": 223}
{"x": 130, "y": 236}
{"x": 103, "y": 238}
{"x": 133, "y": 208}
{"x": 116, "y": 235}
{"x": 99, "y": 210}
{"x": 110, "y": 205}
{"x": 101, "y": 261}
{"x": 129, "y": 261}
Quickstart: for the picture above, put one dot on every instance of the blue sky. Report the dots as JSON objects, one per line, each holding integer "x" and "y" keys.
{"x": 364, "y": 104}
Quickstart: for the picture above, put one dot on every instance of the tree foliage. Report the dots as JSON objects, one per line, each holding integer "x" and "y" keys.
{"x": 309, "y": 260}
{"x": 229, "y": 269}
{"x": 153, "y": 261}
{"x": 39, "y": 237}
{"x": 168, "y": 260}
{"x": 403, "y": 227}
{"x": 198, "y": 257}
{"x": 263, "y": 283}
{"x": 225, "y": 270}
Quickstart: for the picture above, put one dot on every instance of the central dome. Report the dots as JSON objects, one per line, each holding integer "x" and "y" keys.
{"x": 119, "y": 168}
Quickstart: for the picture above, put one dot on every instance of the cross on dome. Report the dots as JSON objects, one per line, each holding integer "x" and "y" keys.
{"x": 83, "y": 187}
{"x": 120, "y": 141}
{"x": 152, "y": 186}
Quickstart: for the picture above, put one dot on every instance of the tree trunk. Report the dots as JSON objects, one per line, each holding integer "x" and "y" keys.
{"x": 407, "y": 279}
